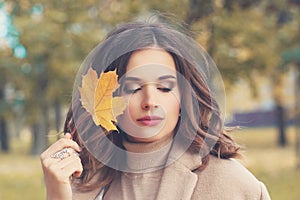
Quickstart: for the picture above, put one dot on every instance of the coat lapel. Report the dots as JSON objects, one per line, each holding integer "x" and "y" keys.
{"x": 178, "y": 180}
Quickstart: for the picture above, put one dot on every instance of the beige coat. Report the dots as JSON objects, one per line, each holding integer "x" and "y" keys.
{"x": 221, "y": 180}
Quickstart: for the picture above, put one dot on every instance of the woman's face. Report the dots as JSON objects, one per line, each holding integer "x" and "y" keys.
{"x": 151, "y": 91}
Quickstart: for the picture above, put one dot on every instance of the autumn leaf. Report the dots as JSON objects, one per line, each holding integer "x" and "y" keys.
{"x": 97, "y": 98}
{"x": 87, "y": 91}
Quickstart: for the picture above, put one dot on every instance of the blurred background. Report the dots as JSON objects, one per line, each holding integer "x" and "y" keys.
{"x": 255, "y": 44}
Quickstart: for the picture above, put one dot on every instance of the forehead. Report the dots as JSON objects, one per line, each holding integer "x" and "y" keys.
{"x": 150, "y": 64}
{"x": 150, "y": 73}
{"x": 150, "y": 56}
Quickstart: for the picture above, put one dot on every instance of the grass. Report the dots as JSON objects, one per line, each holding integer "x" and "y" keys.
{"x": 21, "y": 175}
{"x": 273, "y": 165}
{"x": 21, "y": 178}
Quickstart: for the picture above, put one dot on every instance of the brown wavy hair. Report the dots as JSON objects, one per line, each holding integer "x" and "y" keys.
{"x": 206, "y": 122}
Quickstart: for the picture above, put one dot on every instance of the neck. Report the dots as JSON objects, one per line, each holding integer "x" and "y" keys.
{"x": 146, "y": 147}
{"x": 147, "y": 156}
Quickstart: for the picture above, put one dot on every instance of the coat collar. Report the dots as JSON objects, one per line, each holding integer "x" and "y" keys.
{"x": 182, "y": 155}
{"x": 178, "y": 180}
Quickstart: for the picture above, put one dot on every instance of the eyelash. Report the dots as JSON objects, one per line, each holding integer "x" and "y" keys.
{"x": 128, "y": 91}
{"x": 163, "y": 89}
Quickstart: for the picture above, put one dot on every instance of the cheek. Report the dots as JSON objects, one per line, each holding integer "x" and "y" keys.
{"x": 129, "y": 115}
{"x": 172, "y": 107}
{"x": 172, "y": 104}
{"x": 176, "y": 110}
{"x": 132, "y": 106}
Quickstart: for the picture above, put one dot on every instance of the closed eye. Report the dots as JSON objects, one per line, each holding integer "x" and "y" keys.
{"x": 166, "y": 86}
{"x": 163, "y": 89}
{"x": 131, "y": 88}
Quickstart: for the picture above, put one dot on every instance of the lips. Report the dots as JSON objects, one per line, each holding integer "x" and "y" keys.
{"x": 149, "y": 120}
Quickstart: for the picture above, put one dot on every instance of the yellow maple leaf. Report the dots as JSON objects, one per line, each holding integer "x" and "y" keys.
{"x": 87, "y": 91}
{"x": 97, "y": 98}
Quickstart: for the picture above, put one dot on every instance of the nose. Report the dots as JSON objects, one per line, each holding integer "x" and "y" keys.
{"x": 149, "y": 98}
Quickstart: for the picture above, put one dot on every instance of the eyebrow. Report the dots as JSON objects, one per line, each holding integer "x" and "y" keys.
{"x": 166, "y": 77}
{"x": 130, "y": 78}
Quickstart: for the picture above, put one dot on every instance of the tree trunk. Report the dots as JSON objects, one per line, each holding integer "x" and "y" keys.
{"x": 197, "y": 10}
{"x": 41, "y": 127}
{"x": 4, "y": 143}
{"x": 40, "y": 131}
{"x": 57, "y": 109}
{"x": 277, "y": 82}
{"x": 281, "y": 125}
{"x": 4, "y": 136}
{"x": 297, "y": 115}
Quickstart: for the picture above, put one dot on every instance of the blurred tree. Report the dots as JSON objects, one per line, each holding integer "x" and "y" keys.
{"x": 9, "y": 43}
{"x": 277, "y": 82}
{"x": 246, "y": 39}
{"x": 58, "y": 35}
{"x": 242, "y": 36}
{"x": 8, "y": 88}
{"x": 293, "y": 57}
{"x": 241, "y": 41}
{"x": 4, "y": 143}
{"x": 3, "y": 127}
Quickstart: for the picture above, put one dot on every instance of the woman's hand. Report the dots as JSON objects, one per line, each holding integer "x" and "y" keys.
{"x": 57, "y": 171}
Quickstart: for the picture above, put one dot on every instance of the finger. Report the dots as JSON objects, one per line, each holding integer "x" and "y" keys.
{"x": 74, "y": 166}
{"x": 58, "y": 156}
{"x": 59, "y": 145}
{"x": 61, "y": 170}
{"x": 68, "y": 136}
{"x": 71, "y": 165}
{"x": 77, "y": 174}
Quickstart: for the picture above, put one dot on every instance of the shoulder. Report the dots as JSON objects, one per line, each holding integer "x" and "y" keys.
{"x": 228, "y": 168}
{"x": 229, "y": 179}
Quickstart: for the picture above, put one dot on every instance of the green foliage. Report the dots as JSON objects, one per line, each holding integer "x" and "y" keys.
{"x": 244, "y": 38}
{"x": 241, "y": 37}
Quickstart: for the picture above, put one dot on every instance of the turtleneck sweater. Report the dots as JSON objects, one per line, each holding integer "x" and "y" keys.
{"x": 145, "y": 162}
{"x": 146, "y": 156}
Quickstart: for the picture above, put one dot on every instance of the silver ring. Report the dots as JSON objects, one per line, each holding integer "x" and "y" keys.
{"x": 64, "y": 153}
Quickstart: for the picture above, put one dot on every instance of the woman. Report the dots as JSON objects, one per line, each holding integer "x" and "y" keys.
{"x": 168, "y": 143}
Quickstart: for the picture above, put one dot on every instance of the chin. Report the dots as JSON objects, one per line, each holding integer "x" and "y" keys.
{"x": 144, "y": 140}
{"x": 154, "y": 138}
